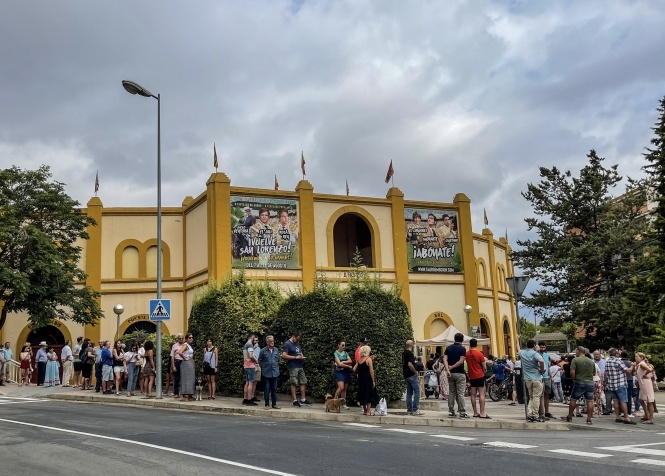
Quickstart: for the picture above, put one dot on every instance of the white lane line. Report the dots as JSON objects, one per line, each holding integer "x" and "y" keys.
{"x": 453, "y": 437}
{"x": 22, "y": 401}
{"x": 505, "y": 444}
{"x": 653, "y": 462}
{"x": 157, "y": 447}
{"x": 644, "y": 451}
{"x": 580, "y": 453}
{"x": 400, "y": 430}
{"x": 362, "y": 425}
{"x": 22, "y": 398}
{"x": 627, "y": 447}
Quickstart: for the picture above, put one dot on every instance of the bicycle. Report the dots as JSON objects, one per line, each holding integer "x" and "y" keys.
{"x": 497, "y": 391}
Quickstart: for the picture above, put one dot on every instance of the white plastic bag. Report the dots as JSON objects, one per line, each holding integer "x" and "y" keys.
{"x": 382, "y": 408}
{"x": 433, "y": 381}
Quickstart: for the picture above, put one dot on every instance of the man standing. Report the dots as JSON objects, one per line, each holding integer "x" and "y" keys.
{"x": 249, "y": 364}
{"x": 533, "y": 367}
{"x": 98, "y": 363}
{"x": 617, "y": 386}
{"x": 67, "y": 359}
{"x": 294, "y": 357}
{"x": 41, "y": 359}
{"x": 411, "y": 378}
{"x": 269, "y": 360}
{"x": 176, "y": 361}
{"x": 3, "y": 364}
{"x": 9, "y": 355}
{"x": 600, "y": 362}
{"x": 453, "y": 359}
{"x": 544, "y": 410}
{"x": 582, "y": 370}
{"x": 107, "y": 367}
{"x": 477, "y": 365}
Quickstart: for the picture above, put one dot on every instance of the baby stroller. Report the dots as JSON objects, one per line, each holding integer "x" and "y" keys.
{"x": 431, "y": 381}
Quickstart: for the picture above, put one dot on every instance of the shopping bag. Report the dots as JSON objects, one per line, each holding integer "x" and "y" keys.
{"x": 382, "y": 408}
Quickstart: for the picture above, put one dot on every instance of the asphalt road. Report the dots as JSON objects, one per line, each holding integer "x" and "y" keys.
{"x": 53, "y": 438}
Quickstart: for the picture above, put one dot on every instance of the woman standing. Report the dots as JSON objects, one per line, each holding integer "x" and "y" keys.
{"x": 87, "y": 363}
{"x": 366, "y": 382}
{"x": 210, "y": 366}
{"x": 342, "y": 371}
{"x": 187, "y": 370}
{"x": 647, "y": 395}
{"x": 131, "y": 359}
{"x": 52, "y": 377}
{"x": 440, "y": 369}
{"x": 118, "y": 365}
{"x": 26, "y": 365}
{"x": 149, "y": 368}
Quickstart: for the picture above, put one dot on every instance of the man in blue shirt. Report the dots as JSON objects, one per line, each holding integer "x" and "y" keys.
{"x": 269, "y": 361}
{"x": 533, "y": 367}
{"x": 292, "y": 353}
{"x": 107, "y": 367}
{"x": 453, "y": 359}
{"x": 41, "y": 359}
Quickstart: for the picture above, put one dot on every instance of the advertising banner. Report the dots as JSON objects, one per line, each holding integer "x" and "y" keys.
{"x": 264, "y": 233}
{"x": 432, "y": 241}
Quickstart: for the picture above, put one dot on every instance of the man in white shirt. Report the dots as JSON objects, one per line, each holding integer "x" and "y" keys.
{"x": 3, "y": 359}
{"x": 67, "y": 359}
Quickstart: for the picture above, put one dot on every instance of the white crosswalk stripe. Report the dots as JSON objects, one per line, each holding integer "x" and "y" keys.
{"x": 400, "y": 430}
{"x": 454, "y": 437}
{"x": 653, "y": 462}
{"x": 505, "y": 444}
{"x": 4, "y": 400}
{"x": 580, "y": 453}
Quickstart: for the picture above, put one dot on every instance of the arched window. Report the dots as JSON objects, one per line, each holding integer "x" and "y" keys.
{"x": 351, "y": 233}
{"x": 151, "y": 262}
{"x": 147, "y": 327}
{"x": 506, "y": 336}
{"x": 130, "y": 262}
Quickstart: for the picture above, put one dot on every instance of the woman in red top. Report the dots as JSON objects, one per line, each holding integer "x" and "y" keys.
{"x": 476, "y": 364}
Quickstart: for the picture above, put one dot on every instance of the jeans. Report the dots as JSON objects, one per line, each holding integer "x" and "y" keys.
{"x": 176, "y": 378}
{"x": 634, "y": 395}
{"x": 457, "y": 385}
{"x": 535, "y": 389}
{"x": 132, "y": 376}
{"x": 41, "y": 373}
{"x": 270, "y": 390}
{"x": 558, "y": 392}
{"x": 98, "y": 377}
{"x": 412, "y": 393}
{"x": 630, "y": 395}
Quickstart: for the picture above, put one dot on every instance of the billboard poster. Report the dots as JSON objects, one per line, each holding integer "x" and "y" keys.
{"x": 432, "y": 241}
{"x": 264, "y": 233}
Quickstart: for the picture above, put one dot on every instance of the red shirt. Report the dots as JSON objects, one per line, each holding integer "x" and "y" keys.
{"x": 474, "y": 363}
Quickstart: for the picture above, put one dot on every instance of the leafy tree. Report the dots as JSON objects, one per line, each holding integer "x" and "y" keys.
{"x": 40, "y": 226}
{"x": 584, "y": 257}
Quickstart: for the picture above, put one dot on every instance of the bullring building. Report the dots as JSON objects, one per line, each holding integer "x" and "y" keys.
{"x": 288, "y": 237}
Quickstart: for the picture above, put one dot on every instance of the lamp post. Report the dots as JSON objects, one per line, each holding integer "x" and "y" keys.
{"x": 134, "y": 88}
{"x": 467, "y": 311}
{"x": 517, "y": 285}
{"x": 118, "y": 309}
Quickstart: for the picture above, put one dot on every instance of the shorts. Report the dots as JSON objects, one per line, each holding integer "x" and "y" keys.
{"x": 250, "y": 375}
{"x": 297, "y": 376}
{"x": 208, "y": 371}
{"x": 620, "y": 394}
{"x": 119, "y": 368}
{"x": 547, "y": 386}
{"x": 342, "y": 376}
{"x": 107, "y": 373}
{"x": 582, "y": 389}
{"x": 78, "y": 366}
{"x": 477, "y": 382}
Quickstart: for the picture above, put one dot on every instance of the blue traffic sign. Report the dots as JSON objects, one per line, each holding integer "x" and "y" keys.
{"x": 160, "y": 309}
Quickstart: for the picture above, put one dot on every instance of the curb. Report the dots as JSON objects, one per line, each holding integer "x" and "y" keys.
{"x": 322, "y": 416}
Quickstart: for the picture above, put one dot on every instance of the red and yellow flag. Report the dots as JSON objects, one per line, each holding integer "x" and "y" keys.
{"x": 390, "y": 173}
{"x": 276, "y": 183}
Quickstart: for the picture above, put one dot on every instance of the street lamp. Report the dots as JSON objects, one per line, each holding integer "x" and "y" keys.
{"x": 467, "y": 311}
{"x": 118, "y": 309}
{"x": 135, "y": 88}
{"x": 517, "y": 285}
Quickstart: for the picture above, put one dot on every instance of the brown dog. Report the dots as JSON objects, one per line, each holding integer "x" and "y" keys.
{"x": 334, "y": 404}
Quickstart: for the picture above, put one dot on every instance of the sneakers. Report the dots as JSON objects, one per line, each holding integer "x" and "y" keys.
{"x": 296, "y": 403}
{"x": 417, "y": 413}
{"x": 452, "y": 414}
{"x": 267, "y": 407}
{"x": 275, "y": 407}
{"x": 255, "y": 400}
{"x": 345, "y": 407}
{"x": 462, "y": 416}
{"x": 305, "y": 402}
{"x": 249, "y": 402}
{"x": 549, "y": 415}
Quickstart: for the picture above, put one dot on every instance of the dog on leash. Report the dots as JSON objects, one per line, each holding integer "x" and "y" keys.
{"x": 199, "y": 389}
{"x": 334, "y": 404}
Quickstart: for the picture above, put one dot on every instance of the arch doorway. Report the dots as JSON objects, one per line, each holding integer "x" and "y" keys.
{"x": 352, "y": 233}
{"x": 147, "y": 327}
{"x": 506, "y": 338}
{"x": 484, "y": 334}
{"x": 53, "y": 337}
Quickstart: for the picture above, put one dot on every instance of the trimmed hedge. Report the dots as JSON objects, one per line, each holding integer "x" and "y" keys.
{"x": 227, "y": 312}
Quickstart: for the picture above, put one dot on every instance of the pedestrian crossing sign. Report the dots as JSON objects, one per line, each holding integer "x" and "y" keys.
{"x": 160, "y": 309}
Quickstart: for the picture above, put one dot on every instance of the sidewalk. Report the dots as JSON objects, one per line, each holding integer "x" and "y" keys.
{"x": 504, "y": 416}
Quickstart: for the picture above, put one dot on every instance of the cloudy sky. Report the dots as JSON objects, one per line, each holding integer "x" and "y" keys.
{"x": 463, "y": 96}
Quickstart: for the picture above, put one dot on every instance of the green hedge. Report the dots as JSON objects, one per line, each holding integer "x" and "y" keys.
{"x": 227, "y": 312}
{"x": 167, "y": 342}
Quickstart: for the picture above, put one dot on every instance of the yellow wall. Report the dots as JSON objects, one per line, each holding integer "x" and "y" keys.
{"x": 429, "y": 298}
{"x": 197, "y": 239}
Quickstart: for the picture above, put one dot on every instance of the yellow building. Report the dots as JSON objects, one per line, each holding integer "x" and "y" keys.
{"x": 290, "y": 236}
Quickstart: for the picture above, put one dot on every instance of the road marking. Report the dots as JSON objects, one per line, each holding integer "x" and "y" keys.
{"x": 22, "y": 401}
{"x": 400, "y": 430}
{"x": 653, "y": 462}
{"x": 580, "y": 453}
{"x": 362, "y": 425}
{"x": 157, "y": 447}
{"x": 627, "y": 447}
{"x": 23, "y": 398}
{"x": 505, "y": 444}
{"x": 453, "y": 437}
{"x": 644, "y": 451}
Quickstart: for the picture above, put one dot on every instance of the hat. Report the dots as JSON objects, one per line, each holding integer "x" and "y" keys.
{"x": 364, "y": 340}
{"x": 42, "y": 343}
